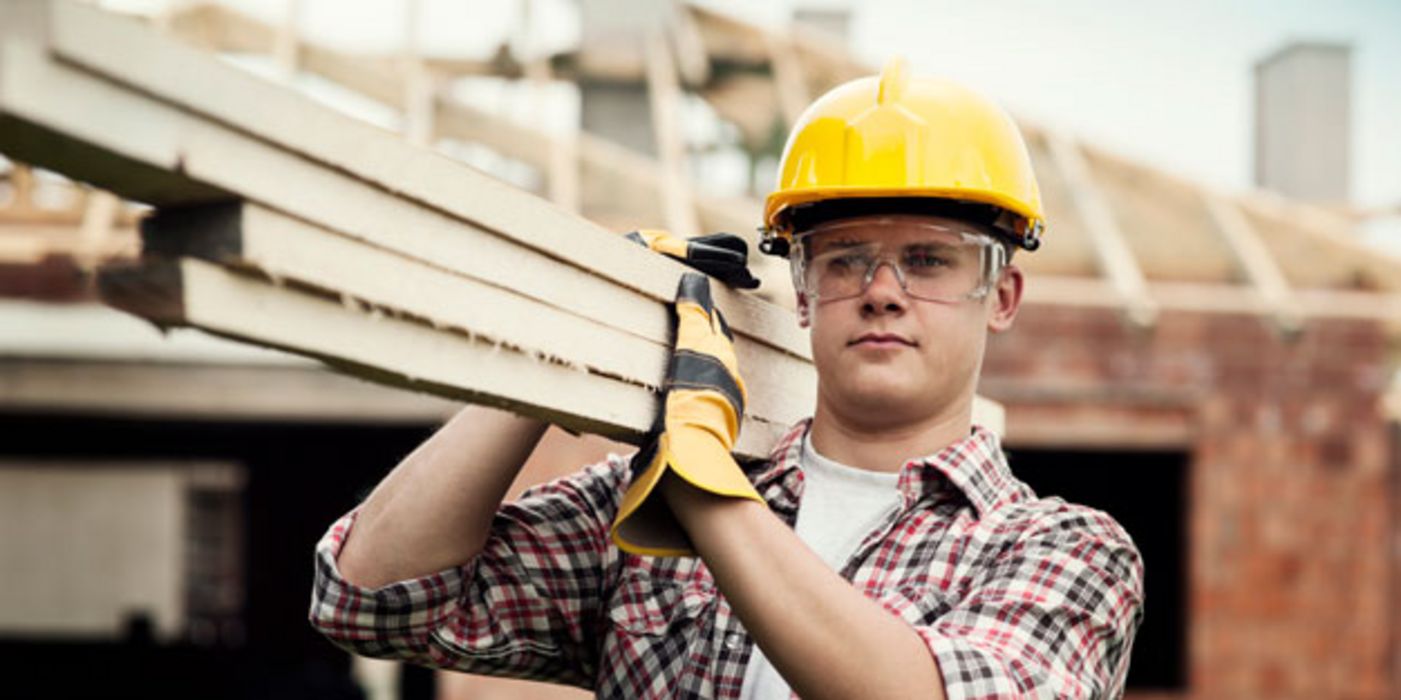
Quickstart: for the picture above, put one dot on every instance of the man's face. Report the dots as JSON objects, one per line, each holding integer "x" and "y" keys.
{"x": 884, "y": 357}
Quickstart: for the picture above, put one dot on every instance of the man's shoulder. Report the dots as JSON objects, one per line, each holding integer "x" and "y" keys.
{"x": 598, "y": 484}
{"x": 1052, "y": 518}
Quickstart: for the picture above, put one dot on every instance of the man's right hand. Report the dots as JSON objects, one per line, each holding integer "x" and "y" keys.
{"x": 701, "y": 414}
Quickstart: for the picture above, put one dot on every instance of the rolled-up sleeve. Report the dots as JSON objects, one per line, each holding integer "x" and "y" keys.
{"x": 525, "y": 607}
{"x": 1053, "y": 616}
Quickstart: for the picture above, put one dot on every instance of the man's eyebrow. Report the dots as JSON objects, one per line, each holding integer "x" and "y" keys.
{"x": 844, "y": 243}
{"x": 927, "y": 245}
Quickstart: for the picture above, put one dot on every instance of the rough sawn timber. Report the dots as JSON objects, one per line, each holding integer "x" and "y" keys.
{"x": 175, "y": 127}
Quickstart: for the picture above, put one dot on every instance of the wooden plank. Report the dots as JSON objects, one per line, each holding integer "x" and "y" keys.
{"x": 391, "y": 350}
{"x": 1253, "y": 257}
{"x": 288, "y": 250}
{"x": 606, "y": 167}
{"x": 175, "y": 141}
{"x": 1116, "y": 262}
{"x": 201, "y": 159}
{"x": 374, "y": 216}
{"x": 163, "y": 67}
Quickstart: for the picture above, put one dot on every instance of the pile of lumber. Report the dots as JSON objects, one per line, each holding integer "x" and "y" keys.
{"x": 284, "y": 223}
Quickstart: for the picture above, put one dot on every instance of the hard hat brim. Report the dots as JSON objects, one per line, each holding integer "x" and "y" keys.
{"x": 779, "y": 203}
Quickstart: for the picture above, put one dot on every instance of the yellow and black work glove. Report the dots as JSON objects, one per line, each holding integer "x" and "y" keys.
{"x": 702, "y": 405}
{"x": 723, "y": 256}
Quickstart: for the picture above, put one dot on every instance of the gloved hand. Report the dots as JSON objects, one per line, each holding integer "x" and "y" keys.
{"x": 702, "y": 405}
{"x": 723, "y": 256}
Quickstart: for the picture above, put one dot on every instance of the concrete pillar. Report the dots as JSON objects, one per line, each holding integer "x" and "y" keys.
{"x": 1303, "y": 108}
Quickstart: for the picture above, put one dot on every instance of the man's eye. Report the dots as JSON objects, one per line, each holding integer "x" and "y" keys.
{"x": 925, "y": 261}
{"x": 846, "y": 261}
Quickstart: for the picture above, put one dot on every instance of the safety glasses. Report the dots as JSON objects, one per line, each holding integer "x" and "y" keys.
{"x": 932, "y": 261}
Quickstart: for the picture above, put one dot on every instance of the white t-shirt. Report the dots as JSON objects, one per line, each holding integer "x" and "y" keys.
{"x": 840, "y": 506}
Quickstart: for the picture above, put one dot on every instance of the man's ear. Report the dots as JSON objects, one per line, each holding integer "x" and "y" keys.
{"x": 1006, "y": 299}
{"x": 804, "y": 319}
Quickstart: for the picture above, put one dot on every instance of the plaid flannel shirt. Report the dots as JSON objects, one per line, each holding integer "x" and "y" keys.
{"x": 1013, "y": 594}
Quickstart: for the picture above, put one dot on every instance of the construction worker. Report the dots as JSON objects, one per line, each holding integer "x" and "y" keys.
{"x": 883, "y": 550}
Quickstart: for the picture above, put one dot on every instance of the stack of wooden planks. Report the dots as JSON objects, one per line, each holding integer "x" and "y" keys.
{"x": 284, "y": 223}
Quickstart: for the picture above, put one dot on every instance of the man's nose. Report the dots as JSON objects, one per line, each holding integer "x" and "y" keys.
{"x": 884, "y": 294}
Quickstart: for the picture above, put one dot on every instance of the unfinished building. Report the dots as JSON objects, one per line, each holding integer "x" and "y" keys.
{"x": 1211, "y": 369}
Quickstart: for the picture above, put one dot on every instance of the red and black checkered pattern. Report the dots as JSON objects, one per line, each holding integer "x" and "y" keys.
{"x": 1015, "y": 595}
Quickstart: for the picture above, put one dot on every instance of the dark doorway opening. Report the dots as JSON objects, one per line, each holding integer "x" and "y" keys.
{"x": 1146, "y": 492}
{"x": 300, "y": 477}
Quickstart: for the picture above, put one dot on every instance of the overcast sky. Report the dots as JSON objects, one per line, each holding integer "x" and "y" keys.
{"x": 1169, "y": 83}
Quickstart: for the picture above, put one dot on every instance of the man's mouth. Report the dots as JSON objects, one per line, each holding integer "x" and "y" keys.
{"x": 882, "y": 340}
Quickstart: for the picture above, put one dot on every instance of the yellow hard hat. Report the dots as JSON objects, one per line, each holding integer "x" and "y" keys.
{"x": 901, "y": 137}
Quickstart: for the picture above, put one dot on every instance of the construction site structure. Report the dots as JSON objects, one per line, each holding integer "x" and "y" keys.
{"x": 1214, "y": 369}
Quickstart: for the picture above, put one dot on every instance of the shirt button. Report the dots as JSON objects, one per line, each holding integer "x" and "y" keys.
{"x": 733, "y": 641}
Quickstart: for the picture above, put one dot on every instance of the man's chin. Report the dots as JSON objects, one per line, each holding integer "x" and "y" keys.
{"x": 885, "y": 401}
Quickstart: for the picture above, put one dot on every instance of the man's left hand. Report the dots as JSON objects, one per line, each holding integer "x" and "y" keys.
{"x": 702, "y": 408}
{"x": 723, "y": 256}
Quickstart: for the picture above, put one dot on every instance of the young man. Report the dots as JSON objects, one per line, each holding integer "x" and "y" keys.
{"x": 884, "y": 550}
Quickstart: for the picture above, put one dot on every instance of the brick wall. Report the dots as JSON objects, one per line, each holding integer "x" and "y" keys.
{"x": 1289, "y": 514}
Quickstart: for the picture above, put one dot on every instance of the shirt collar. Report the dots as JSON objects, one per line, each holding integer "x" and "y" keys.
{"x": 975, "y": 466}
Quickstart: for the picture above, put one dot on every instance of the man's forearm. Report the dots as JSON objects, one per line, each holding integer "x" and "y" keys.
{"x": 434, "y": 509}
{"x": 826, "y": 638}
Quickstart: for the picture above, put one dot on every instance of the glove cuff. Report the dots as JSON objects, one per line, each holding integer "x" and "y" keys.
{"x": 645, "y": 524}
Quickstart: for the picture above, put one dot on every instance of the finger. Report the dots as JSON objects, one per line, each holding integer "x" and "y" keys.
{"x": 694, "y": 288}
{"x": 702, "y": 254}
{"x": 740, "y": 278}
{"x": 660, "y": 241}
{"x": 722, "y": 264}
{"x": 728, "y": 241}
{"x": 693, "y": 308}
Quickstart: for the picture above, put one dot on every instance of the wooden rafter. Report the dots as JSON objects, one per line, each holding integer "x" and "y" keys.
{"x": 692, "y": 60}
{"x": 664, "y": 98}
{"x": 606, "y": 168}
{"x": 1216, "y": 299}
{"x": 99, "y": 220}
{"x": 1116, "y": 261}
{"x": 562, "y": 166}
{"x": 286, "y": 50}
{"x": 788, "y": 78}
{"x": 419, "y": 91}
{"x": 1253, "y": 257}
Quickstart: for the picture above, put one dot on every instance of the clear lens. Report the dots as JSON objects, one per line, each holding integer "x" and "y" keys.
{"x": 932, "y": 262}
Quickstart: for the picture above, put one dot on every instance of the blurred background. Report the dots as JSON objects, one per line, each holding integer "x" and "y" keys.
{"x": 1209, "y": 349}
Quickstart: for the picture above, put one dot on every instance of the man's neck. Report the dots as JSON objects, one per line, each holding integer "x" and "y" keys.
{"x": 885, "y": 447}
